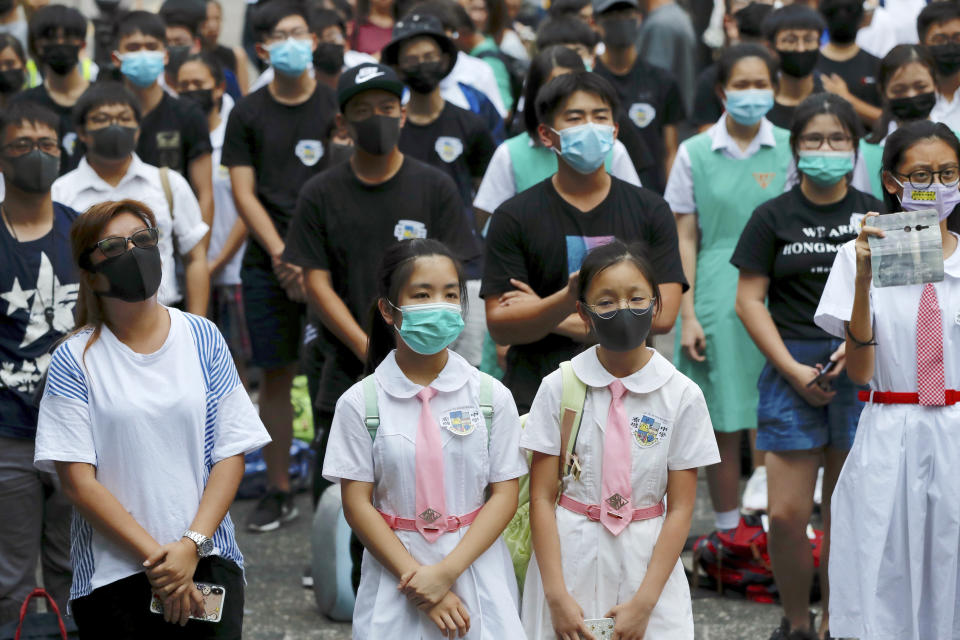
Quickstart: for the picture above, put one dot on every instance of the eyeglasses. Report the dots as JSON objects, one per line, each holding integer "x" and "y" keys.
{"x": 23, "y": 146}
{"x": 117, "y": 245}
{"x": 298, "y": 33}
{"x": 606, "y": 309}
{"x": 836, "y": 141}
{"x": 105, "y": 120}
{"x": 945, "y": 38}
{"x": 923, "y": 178}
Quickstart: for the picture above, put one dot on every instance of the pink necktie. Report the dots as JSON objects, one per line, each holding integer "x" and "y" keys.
{"x": 930, "y": 378}
{"x": 430, "y": 500}
{"x": 616, "y": 511}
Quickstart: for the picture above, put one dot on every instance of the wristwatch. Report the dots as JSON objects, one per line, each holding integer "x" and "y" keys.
{"x": 204, "y": 544}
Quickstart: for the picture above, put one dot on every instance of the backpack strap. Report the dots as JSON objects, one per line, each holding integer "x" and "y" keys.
{"x": 371, "y": 410}
{"x": 486, "y": 402}
{"x": 573, "y": 397}
{"x": 167, "y": 191}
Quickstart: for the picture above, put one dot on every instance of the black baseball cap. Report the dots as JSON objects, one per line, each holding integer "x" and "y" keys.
{"x": 414, "y": 26}
{"x": 600, "y": 6}
{"x": 365, "y": 77}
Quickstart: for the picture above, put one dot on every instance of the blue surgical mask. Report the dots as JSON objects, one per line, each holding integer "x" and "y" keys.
{"x": 747, "y": 107}
{"x": 291, "y": 57}
{"x": 585, "y": 146}
{"x": 826, "y": 168}
{"x": 430, "y": 328}
{"x": 142, "y": 68}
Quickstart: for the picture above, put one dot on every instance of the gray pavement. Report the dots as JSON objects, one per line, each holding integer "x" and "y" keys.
{"x": 278, "y": 608}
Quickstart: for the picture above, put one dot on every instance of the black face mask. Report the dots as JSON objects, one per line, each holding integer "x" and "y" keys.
{"x": 377, "y": 135}
{"x": 750, "y": 19}
{"x": 134, "y": 275}
{"x": 913, "y": 108}
{"x": 176, "y": 55}
{"x": 625, "y": 331}
{"x": 424, "y": 77}
{"x": 33, "y": 172}
{"x": 339, "y": 152}
{"x": 61, "y": 58}
{"x": 619, "y": 32}
{"x": 798, "y": 64}
{"x": 114, "y": 142}
{"x": 947, "y": 57}
{"x": 328, "y": 58}
{"x": 203, "y": 98}
{"x": 6, "y": 6}
{"x": 11, "y": 80}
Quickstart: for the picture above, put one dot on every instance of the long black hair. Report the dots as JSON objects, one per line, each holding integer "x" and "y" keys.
{"x": 901, "y": 140}
{"x": 611, "y": 254}
{"x": 395, "y": 270}
{"x": 900, "y": 56}
{"x": 541, "y": 67}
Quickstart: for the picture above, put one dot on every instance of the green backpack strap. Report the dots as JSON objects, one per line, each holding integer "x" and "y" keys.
{"x": 371, "y": 409}
{"x": 572, "y": 398}
{"x": 486, "y": 402}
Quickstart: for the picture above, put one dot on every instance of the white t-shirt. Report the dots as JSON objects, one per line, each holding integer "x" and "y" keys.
{"x": 475, "y": 73}
{"x": 153, "y": 425}
{"x": 499, "y": 185}
{"x": 82, "y": 188}
{"x": 224, "y": 212}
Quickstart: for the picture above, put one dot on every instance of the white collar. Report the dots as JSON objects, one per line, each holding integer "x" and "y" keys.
{"x": 720, "y": 138}
{"x": 454, "y": 375}
{"x": 650, "y": 377}
{"x": 92, "y": 180}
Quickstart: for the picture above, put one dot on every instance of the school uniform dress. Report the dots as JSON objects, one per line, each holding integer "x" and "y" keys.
{"x": 894, "y": 572}
{"x": 671, "y": 430}
{"x": 723, "y": 184}
{"x": 472, "y": 460}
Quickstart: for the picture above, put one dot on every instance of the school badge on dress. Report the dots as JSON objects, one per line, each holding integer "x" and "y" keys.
{"x": 461, "y": 422}
{"x": 448, "y": 148}
{"x": 309, "y": 152}
{"x": 408, "y": 229}
{"x": 648, "y": 430}
{"x": 642, "y": 114}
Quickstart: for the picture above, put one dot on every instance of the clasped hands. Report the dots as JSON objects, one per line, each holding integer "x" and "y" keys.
{"x": 428, "y": 587}
{"x": 170, "y": 570}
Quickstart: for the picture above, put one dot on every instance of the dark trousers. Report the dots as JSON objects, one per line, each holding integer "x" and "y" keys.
{"x": 121, "y": 610}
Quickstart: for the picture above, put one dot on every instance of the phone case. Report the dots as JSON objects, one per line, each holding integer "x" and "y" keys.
{"x": 601, "y": 628}
{"x": 213, "y": 598}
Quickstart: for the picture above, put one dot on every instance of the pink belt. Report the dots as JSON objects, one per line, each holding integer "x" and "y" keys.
{"x": 447, "y": 525}
{"x": 592, "y": 511}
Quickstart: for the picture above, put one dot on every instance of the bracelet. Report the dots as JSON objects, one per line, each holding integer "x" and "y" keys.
{"x": 870, "y": 343}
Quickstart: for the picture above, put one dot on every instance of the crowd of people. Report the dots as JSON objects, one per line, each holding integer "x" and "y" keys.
{"x": 448, "y": 214}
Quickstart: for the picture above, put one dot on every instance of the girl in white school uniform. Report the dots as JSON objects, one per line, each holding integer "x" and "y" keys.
{"x": 895, "y": 554}
{"x": 610, "y": 548}
{"x": 414, "y": 490}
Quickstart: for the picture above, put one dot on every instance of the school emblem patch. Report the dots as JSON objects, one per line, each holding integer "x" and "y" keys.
{"x": 461, "y": 422}
{"x": 448, "y": 148}
{"x": 309, "y": 152}
{"x": 407, "y": 229}
{"x": 763, "y": 179}
{"x": 648, "y": 430}
{"x": 70, "y": 143}
{"x": 642, "y": 114}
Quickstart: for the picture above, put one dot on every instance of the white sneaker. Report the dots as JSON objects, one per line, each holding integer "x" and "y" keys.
{"x": 818, "y": 490}
{"x": 755, "y": 493}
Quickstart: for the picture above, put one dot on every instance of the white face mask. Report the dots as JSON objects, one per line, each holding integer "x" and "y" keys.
{"x": 937, "y": 196}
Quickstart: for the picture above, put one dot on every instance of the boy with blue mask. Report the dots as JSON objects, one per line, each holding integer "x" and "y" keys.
{"x": 173, "y": 133}
{"x": 277, "y": 138}
{"x": 530, "y": 301}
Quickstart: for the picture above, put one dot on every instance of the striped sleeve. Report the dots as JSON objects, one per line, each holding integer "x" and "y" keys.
{"x": 64, "y": 429}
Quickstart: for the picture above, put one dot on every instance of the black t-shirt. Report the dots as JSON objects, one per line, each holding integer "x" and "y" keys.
{"x": 38, "y": 290}
{"x": 537, "y": 237}
{"x": 286, "y": 146}
{"x": 782, "y": 115}
{"x": 343, "y": 226}
{"x": 859, "y": 72}
{"x": 173, "y": 134}
{"x": 458, "y": 144}
{"x": 71, "y": 149}
{"x": 650, "y": 100}
{"x": 707, "y": 107}
{"x": 793, "y": 242}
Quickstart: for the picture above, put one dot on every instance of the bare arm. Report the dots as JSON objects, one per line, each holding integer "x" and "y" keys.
{"x": 235, "y": 239}
{"x": 197, "y": 277}
{"x": 860, "y": 358}
{"x": 201, "y": 179}
{"x": 533, "y": 318}
{"x": 836, "y": 85}
{"x": 372, "y": 530}
{"x": 257, "y": 219}
{"x": 333, "y": 312}
{"x": 671, "y": 295}
{"x": 243, "y": 69}
{"x": 693, "y": 340}
{"x": 671, "y": 142}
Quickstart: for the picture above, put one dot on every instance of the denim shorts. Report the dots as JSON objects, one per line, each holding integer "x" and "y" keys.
{"x": 785, "y": 422}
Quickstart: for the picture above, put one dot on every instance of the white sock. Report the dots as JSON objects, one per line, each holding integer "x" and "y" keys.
{"x": 726, "y": 519}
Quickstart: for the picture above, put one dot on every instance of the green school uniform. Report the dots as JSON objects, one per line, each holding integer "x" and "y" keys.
{"x": 500, "y": 72}
{"x": 872, "y": 155}
{"x": 726, "y": 192}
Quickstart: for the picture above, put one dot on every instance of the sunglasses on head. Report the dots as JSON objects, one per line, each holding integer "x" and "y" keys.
{"x": 117, "y": 245}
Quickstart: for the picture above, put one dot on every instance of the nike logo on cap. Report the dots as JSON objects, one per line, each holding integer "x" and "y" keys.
{"x": 367, "y": 73}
